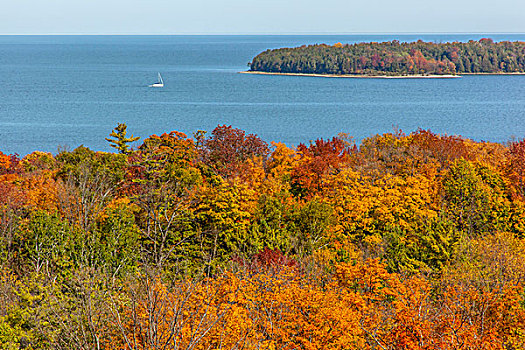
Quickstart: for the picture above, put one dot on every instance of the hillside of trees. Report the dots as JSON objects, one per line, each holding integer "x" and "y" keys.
{"x": 221, "y": 241}
{"x": 396, "y": 58}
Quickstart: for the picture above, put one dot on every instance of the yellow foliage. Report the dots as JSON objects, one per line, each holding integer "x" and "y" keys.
{"x": 282, "y": 161}
{"x": 367, "y": 205}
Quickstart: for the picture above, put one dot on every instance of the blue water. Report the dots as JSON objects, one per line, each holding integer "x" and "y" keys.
{"x": 63, "y": 91}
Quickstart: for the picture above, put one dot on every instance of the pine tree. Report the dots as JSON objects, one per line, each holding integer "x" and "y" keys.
{"x": 120, "y": 141}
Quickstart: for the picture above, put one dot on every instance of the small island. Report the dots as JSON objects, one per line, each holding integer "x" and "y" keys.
{"x": 394, "y": 59}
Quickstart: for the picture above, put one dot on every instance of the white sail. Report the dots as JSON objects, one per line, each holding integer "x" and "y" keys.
{"x": 159, "y": 83}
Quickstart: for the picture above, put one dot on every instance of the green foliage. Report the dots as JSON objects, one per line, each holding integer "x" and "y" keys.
{"x": 117, "y": 240}
{"x": 48, "y": 243}
{"x": 83, "y": 164}
{"x": 310, "y": 224}
{"x": 430, "y": 249}
{"x": 475, "y": 198}
{"x": 38, "y": 161}
{"x": 54, "y": 247}
{"x": 272, "y": 224}
{"x": 396, "y": 58}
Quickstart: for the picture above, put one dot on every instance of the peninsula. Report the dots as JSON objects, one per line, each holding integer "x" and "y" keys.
{"x": 394, "y": 59}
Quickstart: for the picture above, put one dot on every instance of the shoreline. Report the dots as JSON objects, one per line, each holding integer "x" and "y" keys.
{"x": 502, "y": 73}
{"x": 419, "y": 76}
{"x": 358, "y": 76}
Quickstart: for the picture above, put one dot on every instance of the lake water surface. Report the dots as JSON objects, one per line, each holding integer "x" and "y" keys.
{"x": 63, "y": 91}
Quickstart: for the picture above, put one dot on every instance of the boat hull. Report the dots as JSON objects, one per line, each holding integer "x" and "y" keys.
{"x": 157, "y": 85}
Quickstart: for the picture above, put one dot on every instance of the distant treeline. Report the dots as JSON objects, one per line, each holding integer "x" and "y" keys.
{"x": 396, "y": 58}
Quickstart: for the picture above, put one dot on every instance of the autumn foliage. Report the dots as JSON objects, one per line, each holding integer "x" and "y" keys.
{"x": 395, "y": 58}
{"x": 405, "y": 241}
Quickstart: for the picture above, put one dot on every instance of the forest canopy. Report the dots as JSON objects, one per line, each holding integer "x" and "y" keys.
{"x": 222, "y": 241}
{"x": 396, "y": 58}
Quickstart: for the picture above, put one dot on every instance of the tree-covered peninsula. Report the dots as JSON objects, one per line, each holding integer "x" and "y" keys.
{"x": 396, "y": 58}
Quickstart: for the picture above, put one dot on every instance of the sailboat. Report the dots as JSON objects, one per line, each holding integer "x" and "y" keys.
{"x": 159, "y": 83}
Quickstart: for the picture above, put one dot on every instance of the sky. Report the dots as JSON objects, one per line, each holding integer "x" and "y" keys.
{"x": 260, "y": 16}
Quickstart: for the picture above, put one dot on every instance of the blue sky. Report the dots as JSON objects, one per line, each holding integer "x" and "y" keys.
{"x": 259, "y": 16}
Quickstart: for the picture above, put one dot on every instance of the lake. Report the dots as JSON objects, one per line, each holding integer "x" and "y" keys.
{"x": 64, "y": 91}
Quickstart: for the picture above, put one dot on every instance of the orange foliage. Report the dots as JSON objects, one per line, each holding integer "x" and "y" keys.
{"x": 41, "y": 191}
{"x": 515, "y": 168}
{"x": 363, "y": 307}
{"x": 409, "y": 242}
{"x": 5, "y": 162}
{"x": 249, "y": 312}
{"x": 317, "y": 160}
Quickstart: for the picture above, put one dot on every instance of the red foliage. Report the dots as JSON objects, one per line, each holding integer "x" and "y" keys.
{"x": 9, "y": 164}
{"x": 443, "y": 148}
{"x": 272, "y": 259}
{"x": 228, "y": 148}
{"x": 318, "y": 159}
{"x": 267, "y": 260}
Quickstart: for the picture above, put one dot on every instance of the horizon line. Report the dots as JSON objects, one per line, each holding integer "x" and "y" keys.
{"x": 250, "y": 34}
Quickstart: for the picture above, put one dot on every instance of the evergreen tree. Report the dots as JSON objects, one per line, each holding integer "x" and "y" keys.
{"x": 120, "y": 141}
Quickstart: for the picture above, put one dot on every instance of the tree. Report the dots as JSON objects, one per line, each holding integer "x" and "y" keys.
{"x": 515, "y": 168}
{"x": 159, "y": 181}
{"x": 317, "y": 160}
{"x": 120, "y": 141}
{"x": 475, "y": 198}
{"x": 228, "y": 148}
